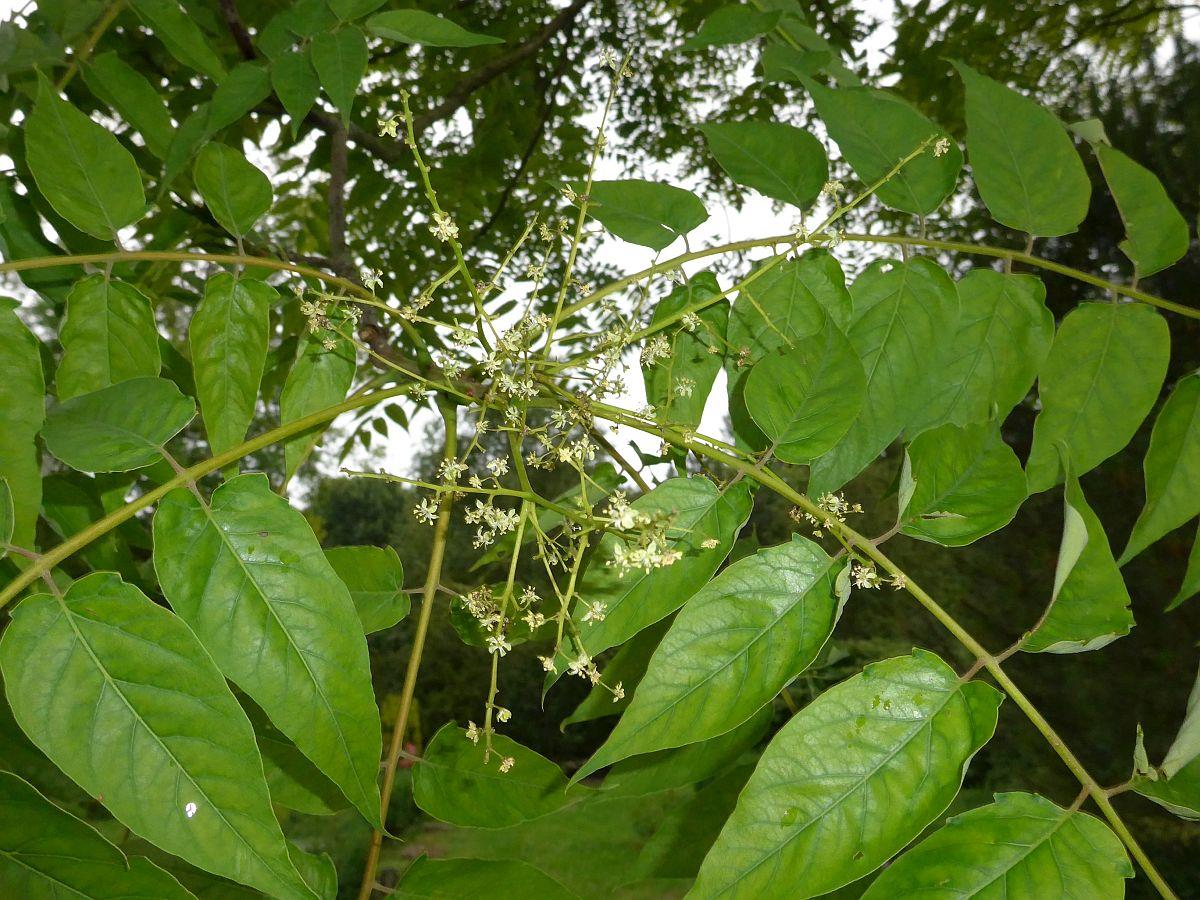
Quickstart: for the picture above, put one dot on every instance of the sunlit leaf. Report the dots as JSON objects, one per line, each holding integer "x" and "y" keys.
{"x": 296, "y": 84}
{"x": 374, "y": 576}
{"x": 497, "y": 879}
{"x": 414, "y": 26}
{"x": 118, "y": 428}
{"x": 121, "y": 696}
{"x": 1089, "y": 606}
{"x": 245, "y": 571}
{"x": 81, "y": 168}
{"x": 456, "y": 782}
{"x": 731, "y": 649}
{"x": 1172, "y": 468}
{"x": 1020, "y": 846}
{"x": 821, "y": 809}
{"x": 132, "y": 95}
{"x": 228, "y": 336}
{"x": 247, "y": 85}
{"x": 47, "y": 852}
{"x": 1157, "y": 235}
{"x": 1099, "y": 382}
{"x": 649, "y": 213}
{"x": 732, "y": 24}
{"x": 236, "y": 192}
{"x": 181, "y": 35}
{"x": 805, "y": 397}
{"x": 780, "y": 161}
{"x": 22, "y": 397}
{"x": 1022, "y": 159}
{"x": 108, "y": 336}
{"x": 340, "y": 58}
{"x": 959, "y": 484}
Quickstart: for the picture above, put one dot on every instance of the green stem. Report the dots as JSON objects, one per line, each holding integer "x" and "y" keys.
{"x": 432, "y": 579}
{"x": 99, "y": 528}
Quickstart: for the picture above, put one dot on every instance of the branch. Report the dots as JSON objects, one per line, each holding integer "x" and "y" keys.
{"x": 237, "y": 28}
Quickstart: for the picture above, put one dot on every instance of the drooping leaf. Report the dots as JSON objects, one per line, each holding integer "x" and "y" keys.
{"x": 22, "y": 397}
{"x": 779, "y": 161}
{"x": 1101, "y": 379}
{"x": 665, "y": 770}
{"x": 21, "y": 237}
{"x": 108, "y": 336}
{"x": 456, "y": 783}
{"x": 1089, "y": 606}
{"x": 414, "y": 26}
{"x": 181, "y": 35}
{"x": 626, "y": 668}
{"x": 320, "y": 377}
{"x": 374, "y": 576}
{"x": 821, "y": 808}
{"x": 1156, "y": 234}
{"x": 1178, "y": 786}
{"x": 117, "y": 428}
{"x": 246, "y": 86}
{"x": 678, "y": 386}
{"x": 120, "y": 695}
{"x": 294, "y": 782}
{"x": 637, "y": 598}
{"x": 901, "y": 313}
{"x": 497, "y": 879}
{"x": 1023, "y": 160}
{"x": 340, "y": 58}
{"x": 731, "y": 649}
{"x": 959, "y": 484}
{"x": 45, "y": 852}
{"x": 296, "y": 84}
{"x": 235, "y": 191}
{"x": 132, "y": 95}
{"x": 875, "y": 130}
{"x": 81, "y": 168}
{"x": 735, "y": 23}
{"x": 1020, "y": 846}
{"x": 1172, "y": 469}
{"x": 228, "y": 336}
{"x": 1004, "y": 333}
{"x": 1191, "y": 577}
{"x": 805, "y": 398}
{"x": 650, "y": 213}
{"x": 246, "y": 573}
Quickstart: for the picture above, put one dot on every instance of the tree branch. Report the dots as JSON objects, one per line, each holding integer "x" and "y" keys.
{"x": 237, "y": 29}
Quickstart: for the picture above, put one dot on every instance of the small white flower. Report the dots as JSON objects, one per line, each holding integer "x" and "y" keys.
{"x": 608, "y": 57}
{"x": 426, "y": 511}
{"x": 497, "y": 644}
{"x": 506, "y": 764}
{"x": 596, "y": 610}
{"x": 443, "y": 227}
{"x": 684, "y": 386}
{"x": 388, "y": 126}
{"x": 618, "y": 692}
{"x": 865, "y": 576}
{"x": 710, "y": 543}
{"x": 548, "y": 663}
{"x": 372, "y": 279}
{"x": 473, "y": 732}
{"x": 498, "y": 466}
{"x": 942, "y": 147}
{"x": 502, "y": 714}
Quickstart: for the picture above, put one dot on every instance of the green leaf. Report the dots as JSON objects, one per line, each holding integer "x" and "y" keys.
{"x": 1101, "y": 379}
{"x": 108, "y": 336}
{"x": 701, "y": 511}
{"x": 117, "y": 428}
{"x": 649, "y": 213}
{"x": 413, "y": 26}
{"x": 22, "y": 397}
{"x": 121, "y": 696}
{"x": 294, "y": 782}
{"x": 667, "y": 382}
{"x": 247, "y": 574}
{"x": 8, "y": 517}
{"x": 626, "y": 667}
{"x": 875, "y": 130}
{"x": 296, "y": 84}
{"x": 1186, "y": 746}
{"x": 1089, "y": 607}
{"x": 235, "y": 191}
{"x": 1156, "y": 234}
{"x": 1191, "y": 578}
{"x": 1023, "y": 160}
{"x": 455, "y": 781}
{"x": 780, "y": 161}
{"x": 850, "y": 780}
{"x": 81, "y": 168}
{"x": 805, "y": 398}
{"x": 374, "y": 576}
{"x": 1004, "y": 333}
{"x": 1020, "y": 846}
{"x": 1172, "y": 469}
{"x": 228, "y": 337}
{"x": 353, "y": 9}
{"x": 665, "y": 770}
{"x": 1178, "y": 788}
{"x": 732, "y": 24}
{"x": 318, "y": 378}
{"x": 181, "y": 35}
{"x": 132, "y": 95}
{"x": 246, "y": 86}
{"x": 340, "y": 58}
{"x": 734, "y": 646}
{"x": 902, "y": 311}
{"x": 496, "y": 879}
{"x": 45, "y": 852}
{"x": 959, "y": 484}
